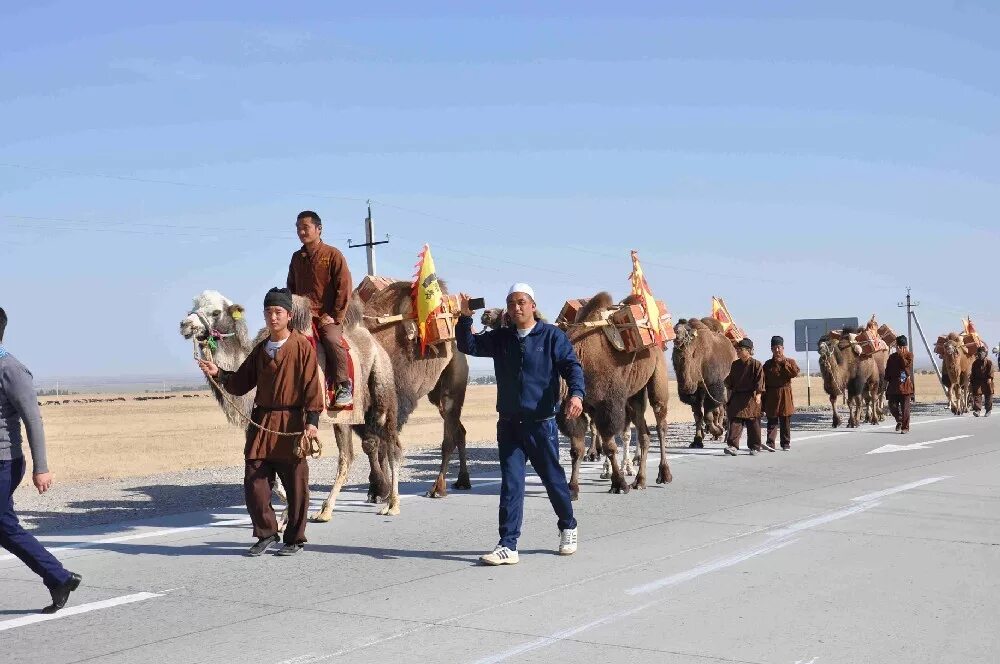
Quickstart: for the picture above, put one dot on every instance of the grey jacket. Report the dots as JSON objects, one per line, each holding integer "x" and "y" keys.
{"x": 18, "y": 403}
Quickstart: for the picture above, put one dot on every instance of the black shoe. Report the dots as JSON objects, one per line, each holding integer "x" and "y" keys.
{"x": 697, "y": 445}
{"x": 289, "y": 549}
{"x": 785, "y": 448}
{"x": 61, "y": 593}
{"x": 262, "y": 545}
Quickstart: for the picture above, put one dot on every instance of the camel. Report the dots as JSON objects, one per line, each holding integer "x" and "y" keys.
{"x": 879, "y": 404}
{"x": 702, "y": 358}
{"x": 215, "y": 316}
{"x": 441, "y": 374}
{"x": 956, "y": 374}
{"x": 618, "y": 384}
{"x": 845, "y": 370}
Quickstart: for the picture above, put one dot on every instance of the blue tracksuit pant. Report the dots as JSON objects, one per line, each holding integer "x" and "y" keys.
{"x": 16, "y": 539}
{"x": 537, "y": 442}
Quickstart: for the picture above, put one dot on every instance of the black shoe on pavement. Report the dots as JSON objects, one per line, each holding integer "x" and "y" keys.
{"x": 61, "y": 593}
{"x": 697, "y": 445}
{"x": 289, "y": 549}
{"x": 262, "y": 545}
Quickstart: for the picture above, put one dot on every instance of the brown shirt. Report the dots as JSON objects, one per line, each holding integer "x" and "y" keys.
{"x": 745, "y": 382}
{"x": 778, "y": 375}
{"x": 321, "y": 274}
{"x": 982, "y": 372}
{"x": 898, "y": 362}
{"x": 286, "y": 386}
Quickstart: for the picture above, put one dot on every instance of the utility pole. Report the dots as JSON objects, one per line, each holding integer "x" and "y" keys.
{"x": 909, "y": 304}
{"x": 369, "y": 243}
{"x": 911, "y": 316}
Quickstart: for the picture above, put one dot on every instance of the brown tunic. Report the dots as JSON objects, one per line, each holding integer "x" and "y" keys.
{"x": 321, "y": 274}
{"x": 778, "y": 375}
{"x": 981, "y": 375}
{"x": 286, "y": 386}
{"x": 745, "y": 382}
{"x": 900, "y": 361}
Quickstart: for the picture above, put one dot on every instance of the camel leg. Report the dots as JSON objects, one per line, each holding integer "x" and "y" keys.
{"x": 642, "y": 448}
{"x": 626, "y": 439}
{"x": 606, "y": 469}
{"x": 618, "y": 483}
{"x": 658, "y": 398}
{"x": 594, "y": 451}
{"x": 345, "y": 457}
{"x": 394, "y": 456}
{"x": 377, "y": 482}
{"x": 463, "y": 483}
{"x": 699, "y": 424}
{"x": 577, "y": 447}
{"x": 833, "y": 406}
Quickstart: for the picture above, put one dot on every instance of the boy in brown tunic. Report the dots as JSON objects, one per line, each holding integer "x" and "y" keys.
{"x": 319, "y": 272}
{"x": 289, "y": 399}
{"x": 745, "y": 383}
{"x": 779, "y": 404}
{"x": 981, "y": 382}
{"x": 899, "y": 375}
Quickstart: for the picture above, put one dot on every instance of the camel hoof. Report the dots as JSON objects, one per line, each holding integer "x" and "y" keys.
{"x": 389, "y": 511}
{"x": 320, "y": 517}
{"x": 639, "y": 484}
{"x": 463, "y": 483}
{"x": 574, "y": 493}
{"x": 696, "y": 445}
{"x": 619, "y": 487}
{"x": 628, "y": 470}
{"x": 591, "y": 457}
{"x": 664, "y": 476}
{"x": 605, "y": 476}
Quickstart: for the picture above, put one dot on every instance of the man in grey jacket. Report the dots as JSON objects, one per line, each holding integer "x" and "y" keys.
{"x": 18, "y": 403}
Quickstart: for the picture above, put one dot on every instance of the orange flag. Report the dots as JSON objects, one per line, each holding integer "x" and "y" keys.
{"x": 641, "y": 290}
{"x": 720, "y": 313}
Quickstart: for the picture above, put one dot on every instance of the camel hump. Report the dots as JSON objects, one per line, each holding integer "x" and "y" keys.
{"x": 712, "y": 324}
{"x": 592, "y": 310}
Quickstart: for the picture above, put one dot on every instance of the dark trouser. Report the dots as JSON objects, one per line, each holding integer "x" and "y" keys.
{"x": 899, "y": 406}
{"x": 537, "y": 442}
{"x": 983, "y": 397}
{"x": 753, "y": 432}
{"x": 258, "y": 482}
{"x": 784, "y": 423}
{"x": 336, "y": 356}
{"x": 16, "y": 539}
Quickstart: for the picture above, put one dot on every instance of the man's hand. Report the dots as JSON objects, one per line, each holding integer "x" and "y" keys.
{"x": 327, "y": 319}
{"x": 574, "y": 408}
{"x": 42, "y": 481}
{"x": 209, "y": 368}
{"x": 312, "y": 431}
{"x": 463, "y": 304}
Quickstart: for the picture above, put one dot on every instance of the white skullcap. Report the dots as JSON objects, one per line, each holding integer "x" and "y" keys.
{"x": 522, "y": 288}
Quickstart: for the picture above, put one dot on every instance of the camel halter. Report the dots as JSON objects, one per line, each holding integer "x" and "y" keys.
{"x": 312, "y": 447}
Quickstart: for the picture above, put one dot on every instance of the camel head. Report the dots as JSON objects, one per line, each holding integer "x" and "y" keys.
{"x": 212, "y": 314}
{"x": 493, "y": 318}
{"x": 687, "y": 365}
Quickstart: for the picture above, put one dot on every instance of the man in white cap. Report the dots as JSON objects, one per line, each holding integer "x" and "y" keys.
{"x": 529, "y": 358}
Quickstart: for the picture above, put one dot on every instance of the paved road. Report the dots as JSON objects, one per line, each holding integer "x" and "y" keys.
{"x": 827, "y": 553}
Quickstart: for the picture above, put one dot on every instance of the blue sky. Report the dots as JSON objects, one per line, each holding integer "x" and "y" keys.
{"x": 800, "y": 159}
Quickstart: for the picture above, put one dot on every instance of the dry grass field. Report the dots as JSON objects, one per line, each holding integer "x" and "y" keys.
{"x": 131, "y": 438}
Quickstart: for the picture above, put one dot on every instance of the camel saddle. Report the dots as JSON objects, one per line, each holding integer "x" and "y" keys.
{"x": 353, "y": 414}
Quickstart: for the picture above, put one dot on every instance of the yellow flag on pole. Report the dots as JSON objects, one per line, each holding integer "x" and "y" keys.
{"x": 641, "y": 291}
{"x": 427, "y": 295}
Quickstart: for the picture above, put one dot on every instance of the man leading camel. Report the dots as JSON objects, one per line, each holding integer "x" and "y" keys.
{"x": 779, "y": 404}
{"x": 746, "y": 383}
{"x": 289, "y": 399}
{"x": 319, "y": 272}
{"x": 529, "y": 357}
{"x": 18, "y": 404}
{"x": 981, "y": 382}
{"x": 899, "y": 376}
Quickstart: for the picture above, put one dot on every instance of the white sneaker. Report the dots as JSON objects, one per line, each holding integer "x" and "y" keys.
{"x": 567, "y": 542}
{"x": 501, "y": 555}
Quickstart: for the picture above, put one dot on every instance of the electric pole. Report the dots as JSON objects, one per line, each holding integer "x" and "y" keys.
{"x": 369, "y": 243}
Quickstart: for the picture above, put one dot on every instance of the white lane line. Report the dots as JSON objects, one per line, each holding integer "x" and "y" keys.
{"x": 780, "y": 536}
{"x": 915, "y": 446}
{"x": 881, "y": 426}
{"x": 76, "y": 610}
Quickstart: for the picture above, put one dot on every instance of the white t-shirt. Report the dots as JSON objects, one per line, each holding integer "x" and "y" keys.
{"x": 523, "y": 333}
{"x": 271, "y": 347}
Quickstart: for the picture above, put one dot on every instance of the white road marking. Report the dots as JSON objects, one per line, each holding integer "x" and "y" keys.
{"x": 781, "y": 539}
{"x": 915, "y": 446}
{"x": 76, "y": 610}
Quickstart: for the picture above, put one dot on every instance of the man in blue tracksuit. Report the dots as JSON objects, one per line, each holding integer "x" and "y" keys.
{"x": 529, "y": 358}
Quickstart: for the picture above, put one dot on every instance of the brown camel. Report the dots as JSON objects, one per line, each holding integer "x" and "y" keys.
{"x": 845, "y": 370}
{"x": 702, "y": 358}
{"x": 618, "y": 384}
{"x": 956, "y": 373}
{"x": 214, "y": 315}
{"x": 441, "y": 374}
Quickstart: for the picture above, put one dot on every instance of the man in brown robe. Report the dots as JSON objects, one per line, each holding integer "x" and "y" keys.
{"x": 745, "y": 383}
{"x": 289, "y": 399}
{"x": 981, "y": 382}
{"x": 899, "y": 375}
{"x": 778, "y": 402}
{"x": 319, "y": 272}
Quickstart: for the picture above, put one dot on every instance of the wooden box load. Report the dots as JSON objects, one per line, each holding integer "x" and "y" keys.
{"x": 888, "y": 335}
{"x": 570, "y": 310}
{"x": 940, "y": 344}
{"x": 972, "y": 343}
{"x": 835, "y": 335}
{"x": 870, "y": 343}
{"x": 633, "y": 325}
{"x": 441, "y": 326}
{"x": 735, "y": 334}
{"x": 371, "y": 285}
{"x": 666, "y": 322}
